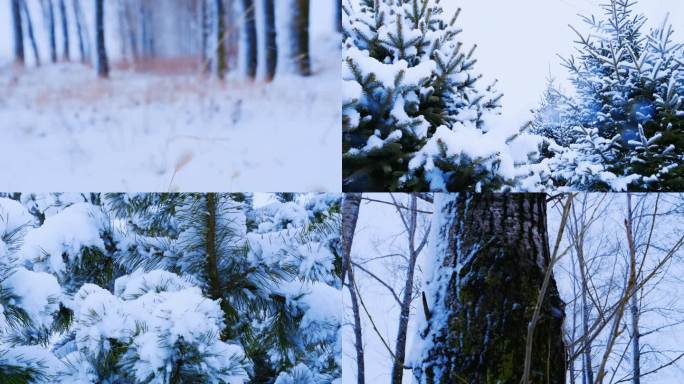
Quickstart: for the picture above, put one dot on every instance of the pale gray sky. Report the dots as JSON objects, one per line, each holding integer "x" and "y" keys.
{"x": 518, "y": 41}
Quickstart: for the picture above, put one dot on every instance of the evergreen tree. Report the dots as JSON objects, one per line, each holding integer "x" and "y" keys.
{"x": 411, "y": 101}
{"x": 628, "y": 87}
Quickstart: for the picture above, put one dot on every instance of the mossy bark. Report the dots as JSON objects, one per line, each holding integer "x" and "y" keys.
{"x": 497, "y": 254}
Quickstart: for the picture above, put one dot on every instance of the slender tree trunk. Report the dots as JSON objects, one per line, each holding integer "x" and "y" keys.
{"x": 634, "y": 311}
{"x": 587, "y": 365}
{"x": 250, "y": 38}
{"x": 81, "y": 30}
{"x": 220, "y": 15}
{"x": 350, "y": 214}
{"x": 204, "y": 35}
{"x": 338, "y": 15}
{"x": 271, "y": 39}
{"x": 300, "y": 35}
{"x": 102, "y": 61}
{"x": 400, "y": 347}
{"x": 19, "y": 57}
{"x": 49, "y": 11}
{"x": 29, "y": 28}
{"x": 490, "y": 263}
{"x": 65, "y": 30}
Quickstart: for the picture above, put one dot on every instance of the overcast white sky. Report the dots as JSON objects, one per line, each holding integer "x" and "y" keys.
{"x": 518, "y": 41}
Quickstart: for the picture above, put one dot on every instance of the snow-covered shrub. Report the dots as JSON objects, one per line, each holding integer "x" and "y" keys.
{"x": 156, "y": 329}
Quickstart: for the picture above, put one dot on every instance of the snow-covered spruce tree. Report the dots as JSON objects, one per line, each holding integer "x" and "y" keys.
{"x": 491, "y": 252}
{"x": 272, "y": 284}
{"x": 412, "y": 109}
{"x": 628, "y": 107}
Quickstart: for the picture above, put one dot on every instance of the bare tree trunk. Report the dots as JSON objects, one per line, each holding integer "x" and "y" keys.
{"x": 18, "y": 33}
{"x": 220, "y": 15}
{"x": 350, "y": 214}
{"x": 29, "y": 25}
{"x": 634, "y": 311}
{"x": 49, "y": 12}
{"x": 102, "y": 61}
{"x": 250, "y": 38}
{"x": 490, "y": 266}
{"x": 400, "y": 347}
{"x": 300, "y": 35}
{"x": 204, "y": 35}
{"x": 338, "y": 15}
{"x": 65, "y": 30}
{"x": 271, "y": 39}
{"x": 82, "y": 31}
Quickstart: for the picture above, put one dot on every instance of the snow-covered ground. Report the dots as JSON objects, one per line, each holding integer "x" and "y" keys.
{"x": 62, "y": 129}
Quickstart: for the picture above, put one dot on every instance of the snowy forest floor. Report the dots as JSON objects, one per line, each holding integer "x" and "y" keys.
{"x": 170, "y": 132}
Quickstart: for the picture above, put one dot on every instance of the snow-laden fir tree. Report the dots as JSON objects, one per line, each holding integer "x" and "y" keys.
{"x": 174, "y": 288}
{"x": 626, "y": 130}
{"x": 414, "y": 113}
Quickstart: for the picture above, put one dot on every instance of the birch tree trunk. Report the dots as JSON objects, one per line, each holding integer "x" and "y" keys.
{"x": 271, "y": 39}
{"x": 102, "y": 61}
{"x": 490, "y": 263}
{"x": 300, "y": 37}
{"x": 19, "y": 57}
{"x": 350, "y": 214}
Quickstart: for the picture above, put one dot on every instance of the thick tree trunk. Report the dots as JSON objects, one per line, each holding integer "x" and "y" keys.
{"x": 350, "y": 214}
{"x": 65, "y": 30}
{"x": 271, "y": 39}
{"x": 220, "y": 15}
{"x": 18, "y": 33}
{"x": 300, "y": 37}
{"x": 102, "y": 61}
{"x": 489, "y": 267}
{"x": 250, "y": 38}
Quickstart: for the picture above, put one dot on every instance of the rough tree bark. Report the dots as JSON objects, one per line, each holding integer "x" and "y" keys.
{"x": 271, "y": 39}
{"x": 250, "y": 40}
{"x": 65, "y": 30}
{"x": 18, "y": 33}
{"x": 350, "y": 214}
{"x": 490, "y": 265}
{"x": 102, "y": 61}
{"x": 300, "y": 37}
